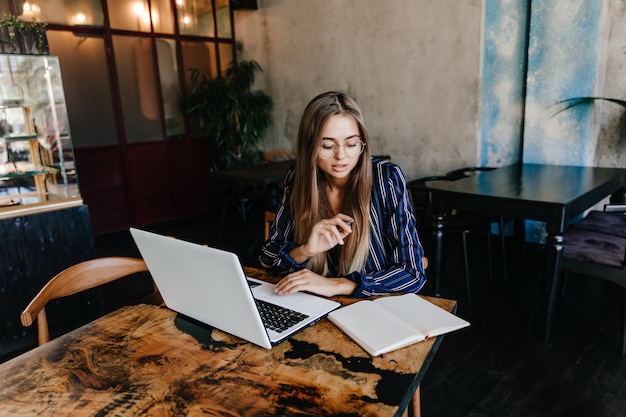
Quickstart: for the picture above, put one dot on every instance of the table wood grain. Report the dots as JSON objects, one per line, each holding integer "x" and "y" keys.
{"x": 148, "y": 360}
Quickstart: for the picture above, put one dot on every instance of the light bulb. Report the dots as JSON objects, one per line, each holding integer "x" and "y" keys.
{"x": 138, "y": 9}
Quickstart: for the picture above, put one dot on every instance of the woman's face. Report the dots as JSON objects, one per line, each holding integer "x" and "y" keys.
{"x": 341, "y": 145}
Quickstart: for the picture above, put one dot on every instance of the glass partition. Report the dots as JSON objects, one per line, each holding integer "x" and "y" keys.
{"x": 170, "y": 88}
{"x": 137, "y": 15}
{"x": 138, "y": 88}
{"x": 64, "y": 12}
{"x": 36, "y": 154}
{"x": 88, "y": 90}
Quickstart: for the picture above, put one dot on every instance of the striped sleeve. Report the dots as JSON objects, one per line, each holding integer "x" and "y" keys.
{"x": 395, "y": 260}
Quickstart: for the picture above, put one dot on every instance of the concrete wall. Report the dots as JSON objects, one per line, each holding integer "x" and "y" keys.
{"x": 412, "y": 65}
{"x": 611, "y": 119}
{"x": 441, "y": 82}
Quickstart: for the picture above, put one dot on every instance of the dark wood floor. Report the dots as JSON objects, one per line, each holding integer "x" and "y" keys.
{"x": 496, "y": 367}
{"x": 500, "y": 368}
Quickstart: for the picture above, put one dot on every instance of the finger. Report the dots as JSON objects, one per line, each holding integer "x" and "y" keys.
{"x": 340, "y": 234}
{"x": 344, "y": 217}
{"x": 288, "y": 284}
{"x": 345, "y": 224}
{"x": 290, "y": 287}
{"x": 280, "y": 285}
{"x": 333, "y": 237}
{"x": 345, "y": 232}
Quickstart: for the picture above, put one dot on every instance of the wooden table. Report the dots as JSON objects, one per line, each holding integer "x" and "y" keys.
{"x": 147, "y": 360}
{"x": 549, "y": 193}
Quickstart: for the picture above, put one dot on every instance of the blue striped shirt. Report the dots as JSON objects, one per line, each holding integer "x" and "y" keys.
{"x": 394, "y": 263}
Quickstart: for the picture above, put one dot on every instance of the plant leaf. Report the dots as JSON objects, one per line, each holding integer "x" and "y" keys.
{"x": 576, "y": 101}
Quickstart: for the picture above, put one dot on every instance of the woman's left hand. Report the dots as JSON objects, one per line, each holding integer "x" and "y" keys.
{"x": 307, "y": 280}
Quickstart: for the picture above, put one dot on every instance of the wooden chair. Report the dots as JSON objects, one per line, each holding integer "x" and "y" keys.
{"x": 270, "y": 216}
{"x": 77, "y": 278}
{"x": 275, "y": 156}
{"x": 278, "y": 156}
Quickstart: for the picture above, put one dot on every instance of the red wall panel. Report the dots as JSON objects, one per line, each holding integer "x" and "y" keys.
{"x": 102, "y": 185}
{"x": 161, "y": 181}
{"x": 149, "y": 186}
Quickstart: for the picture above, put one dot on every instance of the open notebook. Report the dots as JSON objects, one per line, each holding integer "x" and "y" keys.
{"x": 209, "y": 285}
{"x": 393, "y": 322}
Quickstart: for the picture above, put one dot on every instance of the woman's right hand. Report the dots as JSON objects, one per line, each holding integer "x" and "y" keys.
{"x": 325, "y": 235}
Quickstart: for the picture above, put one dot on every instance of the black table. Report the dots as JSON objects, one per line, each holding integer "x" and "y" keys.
{"x": 549, "y": 193}
{"x": 239, "y": 186}
{"x": 264, "y": 174}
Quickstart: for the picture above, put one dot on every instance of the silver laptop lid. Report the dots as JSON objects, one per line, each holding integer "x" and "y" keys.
{"x": 209, "y": 285}
{"x": 204, "y": 283}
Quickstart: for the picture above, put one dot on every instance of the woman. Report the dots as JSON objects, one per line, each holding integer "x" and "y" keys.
{"x": 345, "y": 224}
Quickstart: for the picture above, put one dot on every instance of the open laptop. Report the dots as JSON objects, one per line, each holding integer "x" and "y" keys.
{"x": 209, "y": 285}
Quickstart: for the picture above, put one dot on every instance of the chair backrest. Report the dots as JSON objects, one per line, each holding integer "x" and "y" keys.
{"x": 278, "y": 156}
{"x": 421, "y": 197}
{"x": 270, "y": 216}
{"x": 594, "y": 254}
{"x": 77, "y": 278}
{"x": 458, "y": 174}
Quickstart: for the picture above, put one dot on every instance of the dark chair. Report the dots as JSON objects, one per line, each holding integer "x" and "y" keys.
{"x": 596, "y": 255}
{"x": 461, "y": 173}
{"x": 611, "y": 221}
{"x": 454, "y": 222}
{"x": 458, "y": 174}
{"x": 243, "y": 195}
{"x": 239, "y": 194}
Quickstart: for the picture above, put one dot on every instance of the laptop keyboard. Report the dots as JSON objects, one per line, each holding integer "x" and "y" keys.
{"x": 278, "y": 318}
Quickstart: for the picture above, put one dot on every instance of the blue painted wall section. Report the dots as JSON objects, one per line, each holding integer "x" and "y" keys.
{"x": 562, "y": 61}
{"x": 563, "y": 52}
{"x": 503, "y": 81}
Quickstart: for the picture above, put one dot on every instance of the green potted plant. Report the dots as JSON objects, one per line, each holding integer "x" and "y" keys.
{"x": 231, "y": 114}
{"x": 588, "y": 100}
{"x": 22, "y": 37}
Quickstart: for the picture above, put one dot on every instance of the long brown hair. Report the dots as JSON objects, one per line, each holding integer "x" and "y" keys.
{"x": 309, "y": 201}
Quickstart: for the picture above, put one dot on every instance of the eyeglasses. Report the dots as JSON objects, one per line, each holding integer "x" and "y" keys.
{"x": 351, "y": 149}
